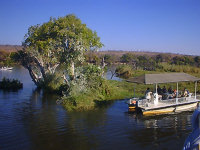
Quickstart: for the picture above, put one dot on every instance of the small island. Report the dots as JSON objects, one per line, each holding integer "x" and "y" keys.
{"x": 10, "y": 84}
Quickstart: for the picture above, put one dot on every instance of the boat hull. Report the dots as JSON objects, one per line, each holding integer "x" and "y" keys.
{"x": 171, "y": 109}
{"x": 6, "y": 68}
{"x": 132, "y": 108}
{"x": 158, "y": 111}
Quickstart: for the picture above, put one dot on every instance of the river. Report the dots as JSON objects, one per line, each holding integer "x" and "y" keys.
{"x": 31, "y": 120}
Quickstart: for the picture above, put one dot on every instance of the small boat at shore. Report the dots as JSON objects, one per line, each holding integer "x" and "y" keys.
{"x": 193, "y": 140}
{"x": 6, "y": 68}
{"x": 156, "y": 105}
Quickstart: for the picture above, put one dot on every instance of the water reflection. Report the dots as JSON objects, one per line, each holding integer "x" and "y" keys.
{"x": 161, "y": 132}
{"x": 49, "y": 126}
{"x": 31, "y": 119}
{"x": 109, "y": 74}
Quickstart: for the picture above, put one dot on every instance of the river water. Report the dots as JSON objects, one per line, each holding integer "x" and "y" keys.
{"x": 31, "y": 119}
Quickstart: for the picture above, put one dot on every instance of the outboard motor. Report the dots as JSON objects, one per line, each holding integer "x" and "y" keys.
{"x": 193, "y": 140}
{"x": 132, "y": 105}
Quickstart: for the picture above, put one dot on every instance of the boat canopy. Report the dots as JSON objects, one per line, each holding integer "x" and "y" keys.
{"x": 163, "y": 78}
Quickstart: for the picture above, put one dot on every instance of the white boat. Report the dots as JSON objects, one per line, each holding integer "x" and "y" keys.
{"x": 6, "y": 68}
{"x": 156, "y": 105}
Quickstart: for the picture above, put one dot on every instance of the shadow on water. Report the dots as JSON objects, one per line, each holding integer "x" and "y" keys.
{"x": 103, "y": 103}
{"x": 49, "y": 126}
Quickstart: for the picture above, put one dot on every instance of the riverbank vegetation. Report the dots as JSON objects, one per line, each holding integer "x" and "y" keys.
{"x": 6, "y": 58}
{"x": 130, "y": 65}
{"x": 108, "y": 90}
{"x": 61, "y": 55}
{"x": 6, "y": 53}
{"x": 10, "y": 84}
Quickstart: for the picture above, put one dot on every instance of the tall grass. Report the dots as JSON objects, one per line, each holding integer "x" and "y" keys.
{"x": 111, "y": 90}
{"x": 165, "y": 67}
{"x": 124, "y": 71}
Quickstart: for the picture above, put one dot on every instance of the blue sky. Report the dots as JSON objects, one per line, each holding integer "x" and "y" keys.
{"x": 138, "y": 25}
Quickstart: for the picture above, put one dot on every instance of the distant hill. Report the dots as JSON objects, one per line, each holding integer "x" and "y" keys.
{"x": 10, "y": 48}
{"x": 137, "y": 53}
{"x": 14, "y": 48}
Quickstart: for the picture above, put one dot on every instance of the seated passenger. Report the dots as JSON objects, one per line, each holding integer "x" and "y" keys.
{"x": 147, "y": 91}
{"x": 164, "y": 90}
{"x": 170, "y": 91}
{"x": 174, "y": 94}
{"x": 148, "y": 94}
{"x": 185, "y": 92}
{"x": 164, "y": 96}
{"x": 159, "y": 90}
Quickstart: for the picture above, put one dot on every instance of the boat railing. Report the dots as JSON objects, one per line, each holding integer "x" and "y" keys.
{"x": 174, "y": 100}
{"x": 146, "y": 102}
{"x": 143, "y": 102}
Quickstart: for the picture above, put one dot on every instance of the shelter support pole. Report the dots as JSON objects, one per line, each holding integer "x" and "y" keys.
{"x": 134, "y": 90}
{"x": 177, "y": 93}
{"x": 156, "y": 96}
{"x": 195, "y": 96}
{"x": 156, "y": 88}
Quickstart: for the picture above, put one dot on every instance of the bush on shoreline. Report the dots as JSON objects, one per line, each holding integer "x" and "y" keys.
{"x": 10, "y": 84}
{"x": 96, "y": 97}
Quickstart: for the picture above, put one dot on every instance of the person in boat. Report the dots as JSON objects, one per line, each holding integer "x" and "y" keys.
{"x": 148, "y": 94}
{"x": 164, "y": 93}
{"x": 170, "y": 91}
{"x": 185, "y": 93}
{"x": 159, "y": 90}
{"x": 164, "y": 90}
{"x": 147, "y": 91}
{"x": 174, "y": 94}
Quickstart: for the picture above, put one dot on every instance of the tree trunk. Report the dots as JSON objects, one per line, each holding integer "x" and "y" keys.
{"x": 65, "y": 79}
{"x": 103, "y": 65}
{"x": 33, "y": 76}
{"x": 41, "y": 66}
{"x": 72, "y": 74}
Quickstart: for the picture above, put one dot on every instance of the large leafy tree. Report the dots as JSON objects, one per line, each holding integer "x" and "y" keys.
{"x": 61, "y": 41}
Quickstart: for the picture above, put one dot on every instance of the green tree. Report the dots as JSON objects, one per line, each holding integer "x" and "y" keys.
{"x": 124, "y": 71}
{"x": 197, "y": 60}
{"x": 159, "y": 58}
{"x": 127, "y": 58}
{"x": 146, "y": 63}
{"x": 92, "y": 57}
{"x": 182, "y": 60}
{"x": 60, "y": 41}
{"x": 108, "y": 59}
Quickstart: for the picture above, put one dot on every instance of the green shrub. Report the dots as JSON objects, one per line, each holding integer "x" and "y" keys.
{"x": 52, "y": 82}
{"x": 124, "y": 71}
{"x": 10, "y": 84}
